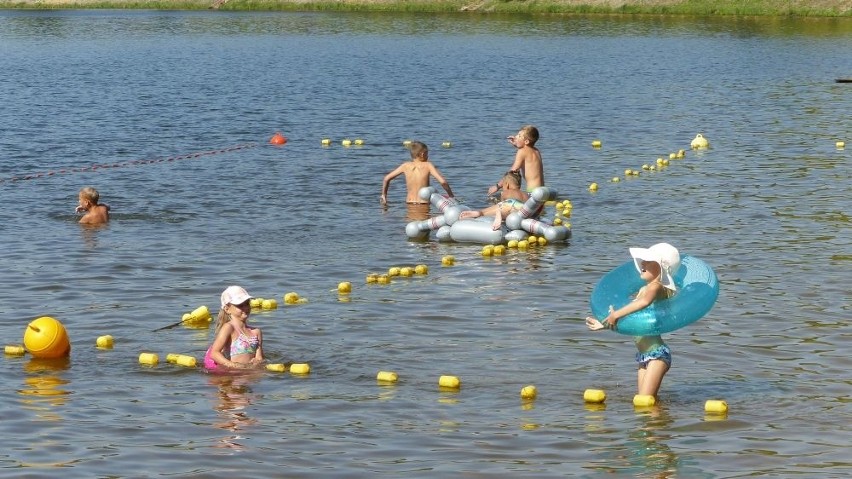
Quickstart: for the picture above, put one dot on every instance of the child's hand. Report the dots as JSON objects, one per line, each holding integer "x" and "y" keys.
{"x": 611, "y": 319}
{"x": 79, "y": 209}
{"x": 383, "y": 200}
{"x": 594, "y": 324}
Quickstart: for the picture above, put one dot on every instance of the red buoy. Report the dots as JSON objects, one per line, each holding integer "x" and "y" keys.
{"x": 278, "y": 139}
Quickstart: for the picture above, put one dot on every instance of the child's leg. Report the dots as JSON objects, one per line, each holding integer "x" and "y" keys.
{"x": 650, "y": 377}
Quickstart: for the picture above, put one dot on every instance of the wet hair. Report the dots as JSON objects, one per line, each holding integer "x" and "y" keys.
{"x": 417, "y": 149}
{"x": 221, "y": 320}
{"x": 513, "y": 176}
{"x": 530, "y": 133}
{"x": 90, "y": 194}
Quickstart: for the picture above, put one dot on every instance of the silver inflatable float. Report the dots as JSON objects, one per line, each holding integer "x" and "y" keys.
{"x": 518, "y": 225}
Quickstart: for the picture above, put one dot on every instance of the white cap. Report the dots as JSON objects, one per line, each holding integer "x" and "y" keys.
{"x": 663, "y": 254}
{"x": 235, "y": 295}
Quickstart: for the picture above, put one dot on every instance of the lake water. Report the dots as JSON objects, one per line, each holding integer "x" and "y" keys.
{"x": 197, "y": 95}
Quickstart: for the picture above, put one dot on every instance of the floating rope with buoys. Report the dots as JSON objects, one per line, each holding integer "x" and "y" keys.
{"x": 123, "y": 164}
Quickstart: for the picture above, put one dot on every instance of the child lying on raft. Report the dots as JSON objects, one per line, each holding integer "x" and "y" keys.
{"x": 511, "y": 198}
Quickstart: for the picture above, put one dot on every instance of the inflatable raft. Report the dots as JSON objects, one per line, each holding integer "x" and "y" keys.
{"x": 518, "y": 225}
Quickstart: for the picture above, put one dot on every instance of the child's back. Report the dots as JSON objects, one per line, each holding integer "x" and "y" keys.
{"x": 417, "y": 173}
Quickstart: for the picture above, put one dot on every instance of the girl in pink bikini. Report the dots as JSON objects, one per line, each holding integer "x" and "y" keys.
{"x": 237, "y": 345}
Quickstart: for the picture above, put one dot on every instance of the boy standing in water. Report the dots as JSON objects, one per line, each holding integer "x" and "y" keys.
{"x": 527, "y": 159}
{"x": 417, "y": 172}
{"x": 95, "y": 213}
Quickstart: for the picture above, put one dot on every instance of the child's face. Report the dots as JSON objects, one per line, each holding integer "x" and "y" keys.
{"x": 519, "y": 140}
{"x": 650, "y": 271}
{"x": 83, "y": 202}
{"x": 240, "y": 311}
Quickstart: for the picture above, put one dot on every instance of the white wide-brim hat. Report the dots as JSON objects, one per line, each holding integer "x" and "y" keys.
{"x": 235, "y": 295}
{"x": 663, "y": 254}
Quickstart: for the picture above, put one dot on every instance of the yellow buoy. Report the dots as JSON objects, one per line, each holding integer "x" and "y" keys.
{"x": 716, "y": 406}
{"x": 326, "y": 141}
{"x": 406, "y": 271}
{"x": 644, "y": 400}
{"x": 277, "y": 367}
{"x": 104, "y": 342}
{"x": 487, "y": 250}
{"x": 300, "y": 368}
{"x": 200, "y": 313}
{"x": 406, "y": 143}
{"x": 512, "y": 244}
{"x": 529, "y": 392}
{"x": 596, "y": 143}
{"x": 840, "y": 145}
{"x": 383, "y": 279}
{"x": 387, "y": 376}
{"x": 371, "y": 278}
{"x": 452, "y": 382}
{"x": 522, "y": 244}
{"x": 595, "y": 396}
{"x": 447, "y": 144}
{"x": 699, "y": 142}
{"x": 359, "y": 141}
{"x": 14, "y": 350}
{"x": 346, "y": 142}
{"x": 593, "y": 187}
{"x": 421, "y": 269}
{"x": 448, "y": 260}
{"x": 256, "y": 303}
{"x": 291, "y": 298}
{"x": 45, "y": 337}
{"x": 344, "y": 287}
{"x": 172, "y": 357}
{"x": 393, "y": 271}
{"x": 269, "y": 304}
{"x": 499, "y": 250}
{"x": 149, "y": 358}
{"x": 187, "y": 361}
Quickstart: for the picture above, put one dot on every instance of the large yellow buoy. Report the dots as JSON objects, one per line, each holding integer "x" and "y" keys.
{"x": 45, "y": 337}
{"x": 699, "y": 142}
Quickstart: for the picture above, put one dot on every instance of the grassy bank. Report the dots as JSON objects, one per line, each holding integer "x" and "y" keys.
{"x": 810, "y": 8}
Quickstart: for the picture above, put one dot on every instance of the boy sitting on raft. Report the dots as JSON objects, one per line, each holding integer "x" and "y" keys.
{"x": 511, "y": 199}
{"x": 527, "y": 159}
{"x": 417, "y": 173}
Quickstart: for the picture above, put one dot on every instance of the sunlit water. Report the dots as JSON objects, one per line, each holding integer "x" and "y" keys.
{"x": 767, "y": 206}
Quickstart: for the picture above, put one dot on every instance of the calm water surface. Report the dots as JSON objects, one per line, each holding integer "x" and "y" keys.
{"x": 767, "y": 206}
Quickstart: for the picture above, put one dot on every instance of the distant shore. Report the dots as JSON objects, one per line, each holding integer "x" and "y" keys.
{"x": 800, "y": 8}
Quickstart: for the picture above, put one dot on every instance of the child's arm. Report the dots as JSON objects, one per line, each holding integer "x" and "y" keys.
{"x": 222, "y": 339}
{"x": 386, "y": 183}
{"x": 433, "y": 170}
{"x": 517, "y": 165}
{"x": 258, "y": 355}
{"x": 645, "y": 297}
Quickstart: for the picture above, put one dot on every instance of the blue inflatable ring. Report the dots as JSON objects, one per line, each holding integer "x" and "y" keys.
{"x": 697, "y": 290}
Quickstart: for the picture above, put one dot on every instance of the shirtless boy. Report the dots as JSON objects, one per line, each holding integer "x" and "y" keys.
{"x": 527, "y": 159}
{"x": 417, "y": 173}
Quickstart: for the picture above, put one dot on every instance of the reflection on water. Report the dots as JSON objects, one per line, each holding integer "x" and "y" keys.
{"x": 234, "y": 395}
{"x": 650, "y": 452}
{"x": 44, "y": 387}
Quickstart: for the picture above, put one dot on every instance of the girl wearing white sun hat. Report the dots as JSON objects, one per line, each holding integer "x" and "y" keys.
{"x": 656, "y": 266}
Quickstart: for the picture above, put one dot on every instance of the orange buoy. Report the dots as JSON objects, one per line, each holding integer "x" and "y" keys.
{"x": 45, "y": 337}
{"x": 278, "y": 139}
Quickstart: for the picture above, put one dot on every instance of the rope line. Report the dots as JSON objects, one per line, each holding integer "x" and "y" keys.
{"x": 100, "y": 166}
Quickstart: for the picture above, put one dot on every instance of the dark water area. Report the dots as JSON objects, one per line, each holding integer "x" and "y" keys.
{"x": 175, "y": 109}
